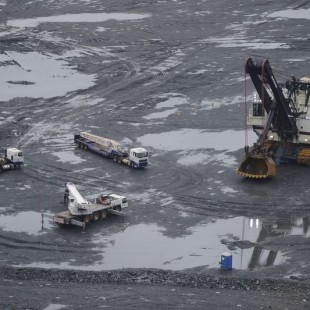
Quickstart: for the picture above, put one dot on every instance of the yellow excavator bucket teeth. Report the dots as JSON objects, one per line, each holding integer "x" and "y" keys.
{"x": 257, "y": 167}
{"x": 303, "y": 157}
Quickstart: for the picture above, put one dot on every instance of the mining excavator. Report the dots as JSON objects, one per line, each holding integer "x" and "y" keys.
{"x": 280, "y": 116}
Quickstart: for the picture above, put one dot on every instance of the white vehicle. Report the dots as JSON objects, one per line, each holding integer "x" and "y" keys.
{"x": 135, "y": 158}
{"x": 81, "y": 212}
{"x": 13, "y": 159}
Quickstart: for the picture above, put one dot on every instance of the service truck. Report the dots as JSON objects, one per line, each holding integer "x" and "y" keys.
{"x": 13, "y": 159}
{"x": 81, "y": 211}
{"x": 135, "y": 157}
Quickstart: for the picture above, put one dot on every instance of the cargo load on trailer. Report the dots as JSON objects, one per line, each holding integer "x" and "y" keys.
{"x": 135, "y": 157}
{"x": 80, "y": 211}
{"x": 13, "y": 159}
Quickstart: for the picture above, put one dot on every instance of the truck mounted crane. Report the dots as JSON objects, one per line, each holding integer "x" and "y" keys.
{"x": 80, "y": 211}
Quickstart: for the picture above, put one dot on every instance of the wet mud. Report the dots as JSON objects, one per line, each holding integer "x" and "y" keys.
{"x": 168, "y": 76}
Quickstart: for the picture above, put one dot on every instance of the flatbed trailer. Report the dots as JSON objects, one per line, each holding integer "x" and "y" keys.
{"x": 134, "y": 158}
{"x": 80, "y": 211}
{"x": 67, "y": 218}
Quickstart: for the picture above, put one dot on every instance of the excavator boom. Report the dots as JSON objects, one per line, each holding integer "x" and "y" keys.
{"x": 281, "y": 118}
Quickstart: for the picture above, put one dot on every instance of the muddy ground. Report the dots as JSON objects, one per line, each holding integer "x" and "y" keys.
{"x": 166, "y": 75}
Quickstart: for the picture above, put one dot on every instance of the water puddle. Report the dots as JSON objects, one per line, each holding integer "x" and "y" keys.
{"x": 28, "y": 222}
{"x": 194, "y": 158}
{"x": 297, "y": 14}
{"x": 84, "y": 100}
{"x": 172, "y": 100}
{"x": 76, "y": 18}
{"x": 235, "y": 41}
{"x": 68, "y": 157}
{"x": 35, "y": 75}
{"x": 197, "y": 139}
{"x": 150, "y": 246}
{"x": 160, "y": 115}
{"x": 55, "y": 307}
{"x": 170, "y": 62}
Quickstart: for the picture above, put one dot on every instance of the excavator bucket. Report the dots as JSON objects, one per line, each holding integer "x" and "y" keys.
{"x": 257, "y": 166}
{"x": 303, "y": 157}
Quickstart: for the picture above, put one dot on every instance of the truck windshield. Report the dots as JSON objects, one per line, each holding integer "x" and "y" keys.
{"x": 20, "y": 154}
{"x": 141, "y": 155}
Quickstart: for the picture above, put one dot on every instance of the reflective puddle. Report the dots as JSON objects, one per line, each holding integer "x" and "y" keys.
{"x": 21, "y": 75}
{"x": 55, "y": 307}
{"x": 301, "y": 13}
{"x": 24, "y": 222}
{"x": 171, "y": 100}
{"x": 197, "y": 139}
{"x": 151, "y": 246}
{"x": 68, "y": 157}
{"x": 148, "y": 246}
{"x": 244, "y": 42}
{"x": 161, "y": 115}
{"x": 76, "y": 18}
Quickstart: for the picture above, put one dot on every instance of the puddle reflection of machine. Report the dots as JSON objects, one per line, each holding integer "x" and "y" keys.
{"x": 281, "y": 227}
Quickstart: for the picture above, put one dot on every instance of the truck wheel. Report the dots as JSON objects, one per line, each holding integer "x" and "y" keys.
{"x": 119, "y": 160}
{"x": 103, "y": 214}
{"x": 17, "y": 166}
{"x": 86, "y": 219}
{"x": 115, "y": 158}
{"x": 96, "y": 216}
{"x": 117, "y": 208}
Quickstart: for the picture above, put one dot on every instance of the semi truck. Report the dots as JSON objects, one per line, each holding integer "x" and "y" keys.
{"x": 13, "y": 159}
{"x": 80, "y": 211}
{"x": 135, "y": 157}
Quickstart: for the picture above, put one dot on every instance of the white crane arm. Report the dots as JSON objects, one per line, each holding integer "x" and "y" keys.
{"x": 76, "y": 194}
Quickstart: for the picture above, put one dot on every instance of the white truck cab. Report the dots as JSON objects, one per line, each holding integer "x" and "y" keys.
{"x": 138, "y": 155}
{"x": 118, "y": 201}
{"x": 14, "y": 155}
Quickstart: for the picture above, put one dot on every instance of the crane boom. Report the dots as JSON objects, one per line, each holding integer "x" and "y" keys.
{"x": 79, "y": 199}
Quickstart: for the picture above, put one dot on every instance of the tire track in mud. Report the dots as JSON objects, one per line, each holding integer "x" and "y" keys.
{"x": 183, "y": 183}
{"x": 180, "y": 180}
{"x": 19, "y": 244}
{"x": 224, "y": 208}
{"x": 49, "y": 175}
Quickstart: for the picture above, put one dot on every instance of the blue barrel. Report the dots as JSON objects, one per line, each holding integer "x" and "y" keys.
{"x": 226, "y": 261}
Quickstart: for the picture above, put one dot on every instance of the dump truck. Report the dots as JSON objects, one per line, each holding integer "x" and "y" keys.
{"x": 280, "y": 116}
{"x": 135, "y": 157}
{"x": 81, "y": 211}
{"x": 13, "y": 159}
